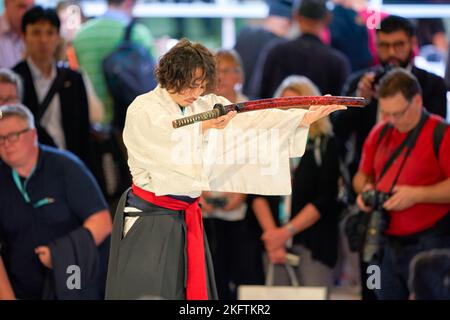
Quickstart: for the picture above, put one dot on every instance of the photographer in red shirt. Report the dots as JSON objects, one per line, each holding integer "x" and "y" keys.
{"x": 410, "y": 192}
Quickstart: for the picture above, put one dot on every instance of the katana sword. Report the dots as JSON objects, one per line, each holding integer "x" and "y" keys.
{"x": 300, "y": 102}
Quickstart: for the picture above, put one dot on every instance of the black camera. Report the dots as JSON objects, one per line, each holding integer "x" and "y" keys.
{"x": 217, "y": 202}
{"x": 380, "y": 72}
{"x": 378, "y": 223}
{"x": 375, "y": 199}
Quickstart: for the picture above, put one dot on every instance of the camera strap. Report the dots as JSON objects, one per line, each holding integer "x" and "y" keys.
{"x": 409, "y": 143}
{"x": 54, "y": 88}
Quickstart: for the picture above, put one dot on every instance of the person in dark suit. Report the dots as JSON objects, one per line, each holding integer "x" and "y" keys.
{"x": 306, "y": 55}
{"x": 251, "y": 40}
{"x": 55, "y": 94}
{"x": 395, "y": 48}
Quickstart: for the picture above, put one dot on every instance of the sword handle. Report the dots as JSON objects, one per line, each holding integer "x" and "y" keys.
{"x": 216, "y": 112}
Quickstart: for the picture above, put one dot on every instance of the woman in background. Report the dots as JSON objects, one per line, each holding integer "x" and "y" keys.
{"x": 224, "y": 212}
{"x": 313, "y": 222}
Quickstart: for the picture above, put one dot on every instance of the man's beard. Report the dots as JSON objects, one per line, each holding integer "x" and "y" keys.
{"x": 392, "y": 61}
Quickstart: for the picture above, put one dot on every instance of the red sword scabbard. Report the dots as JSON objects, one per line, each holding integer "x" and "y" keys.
{"x": 301, "y": 102}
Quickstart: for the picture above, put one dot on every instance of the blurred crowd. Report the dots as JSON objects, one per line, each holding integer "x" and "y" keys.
{"x": 64, "y": 165}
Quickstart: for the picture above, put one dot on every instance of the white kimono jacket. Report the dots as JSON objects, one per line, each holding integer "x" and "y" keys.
{"x": 251, "y": 155}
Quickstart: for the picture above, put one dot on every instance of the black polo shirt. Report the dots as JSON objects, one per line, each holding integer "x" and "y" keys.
{"x": 72, "y": 196}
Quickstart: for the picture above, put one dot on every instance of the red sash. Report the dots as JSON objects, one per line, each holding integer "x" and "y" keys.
{"x": 196, "y": 269}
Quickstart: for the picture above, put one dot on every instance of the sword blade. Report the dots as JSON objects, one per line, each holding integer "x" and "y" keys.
{"x": 303, "y": 102}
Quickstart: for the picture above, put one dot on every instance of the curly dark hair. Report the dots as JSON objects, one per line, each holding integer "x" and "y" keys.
{"x": 176, "y": 69}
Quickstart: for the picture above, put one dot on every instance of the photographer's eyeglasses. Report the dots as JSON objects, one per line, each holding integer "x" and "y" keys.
{"x": 396, "y": 115}
{"x": 397, "y": 45}
{"x": 12, "y": 137}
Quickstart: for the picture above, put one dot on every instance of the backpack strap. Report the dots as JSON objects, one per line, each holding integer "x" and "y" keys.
{"x": 438, "y": 135}
{"x": 127, "y": 35}
{"x": 54, "y": 88}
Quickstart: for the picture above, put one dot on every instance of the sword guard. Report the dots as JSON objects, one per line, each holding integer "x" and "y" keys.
{"x": 221, "y": 108}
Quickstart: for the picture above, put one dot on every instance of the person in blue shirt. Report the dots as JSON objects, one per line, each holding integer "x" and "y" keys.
{"x": 52, "y": 215}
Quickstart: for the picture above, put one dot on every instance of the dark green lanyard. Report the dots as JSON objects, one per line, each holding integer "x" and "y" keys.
{"x": 22, "y": 189}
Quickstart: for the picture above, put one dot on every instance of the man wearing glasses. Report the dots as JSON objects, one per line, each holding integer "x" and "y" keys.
{"x": 417, "y": 182}
{"x": 395, "y": 48}
{"x": 52, "y": 217}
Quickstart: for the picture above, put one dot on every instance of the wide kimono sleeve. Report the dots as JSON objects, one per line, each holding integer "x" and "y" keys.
{"x": 161, "y": 159}
{"x": 252, "y": 154}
